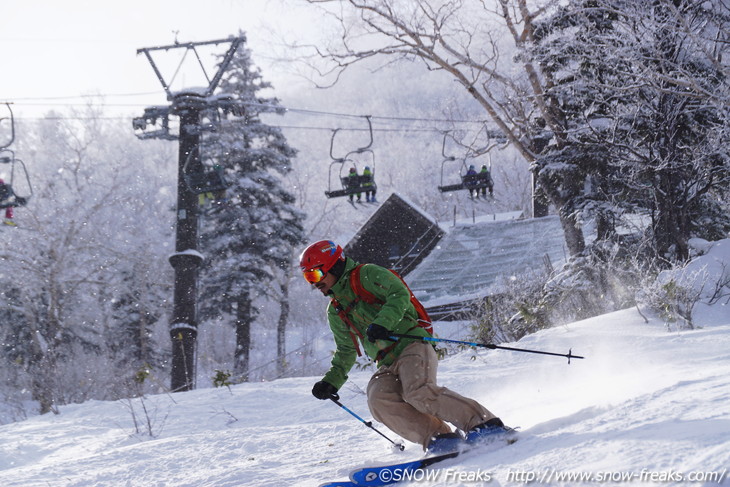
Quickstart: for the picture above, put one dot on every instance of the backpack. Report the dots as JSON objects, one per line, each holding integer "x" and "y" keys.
{"x": 423, "y": 320}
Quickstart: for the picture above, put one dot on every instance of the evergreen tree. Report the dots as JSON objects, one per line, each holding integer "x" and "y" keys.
{"x": 248, "y": 238}
{"x": 134, "y": 312}
{"x": 15, "y": 340}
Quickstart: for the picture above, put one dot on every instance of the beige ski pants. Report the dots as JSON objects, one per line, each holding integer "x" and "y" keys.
{"x": 404, "y": 397}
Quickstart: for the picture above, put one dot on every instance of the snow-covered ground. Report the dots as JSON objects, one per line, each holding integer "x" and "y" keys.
{"x": 647, "y": 406}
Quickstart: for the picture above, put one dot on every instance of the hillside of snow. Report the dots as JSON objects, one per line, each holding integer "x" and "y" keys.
{"x": 646, "y": 406}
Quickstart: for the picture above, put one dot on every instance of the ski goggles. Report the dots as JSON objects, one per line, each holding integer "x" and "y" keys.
{"x": 313, "y": 276}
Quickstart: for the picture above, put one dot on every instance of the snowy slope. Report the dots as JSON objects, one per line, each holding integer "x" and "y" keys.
{"x": 645, "y": 402}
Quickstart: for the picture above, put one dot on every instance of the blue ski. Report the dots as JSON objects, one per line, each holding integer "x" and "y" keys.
{"x": 390, "y": 474}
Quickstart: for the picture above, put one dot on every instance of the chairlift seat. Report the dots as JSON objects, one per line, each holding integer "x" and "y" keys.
{"x": 352, "y": 185}
{"x": 336, "y": 193}
{"x": 451, "y": 187}
{"x": 362, "y": 181}
{"x": 8, "y": 198}
{"x": 469, "y": 181}
{"x": 476, "y": 181}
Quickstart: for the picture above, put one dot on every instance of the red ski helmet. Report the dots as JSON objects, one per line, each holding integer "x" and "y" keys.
{"x": 318, "y": 259}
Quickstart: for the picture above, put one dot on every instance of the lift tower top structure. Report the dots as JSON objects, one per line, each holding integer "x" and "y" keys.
{"x": 188, "y": 105}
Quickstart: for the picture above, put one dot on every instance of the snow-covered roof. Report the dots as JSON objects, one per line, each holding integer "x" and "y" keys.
{"x": 469, "y": 260}
{"x": 490, "y": 218}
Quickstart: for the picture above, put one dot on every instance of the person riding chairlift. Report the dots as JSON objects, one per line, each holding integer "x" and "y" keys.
{"x": 470, "y": 181}
{"x": 367, "y": 177}
{"x": 353, "y": 181}
{"x": 5, "y": 194}
{"x": 486, "y": 176}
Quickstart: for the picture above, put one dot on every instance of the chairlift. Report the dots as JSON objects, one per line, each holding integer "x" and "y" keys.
{"x": 8, "y": 196}
{"x": 473, "y": 182}
{"x": 12, "y": 127}
{"x": 362, "y": 183}
{"x": 202, "y": 179}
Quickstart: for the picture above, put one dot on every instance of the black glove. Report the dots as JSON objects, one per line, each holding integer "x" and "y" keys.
{"x": 325, "y": 390}
{"x": 377, "y": 332}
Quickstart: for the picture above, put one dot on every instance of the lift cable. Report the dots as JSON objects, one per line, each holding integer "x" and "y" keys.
{"x": 28, "y": 102}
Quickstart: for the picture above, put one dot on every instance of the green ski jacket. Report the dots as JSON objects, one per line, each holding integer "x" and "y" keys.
{"x": 397, "y": 314}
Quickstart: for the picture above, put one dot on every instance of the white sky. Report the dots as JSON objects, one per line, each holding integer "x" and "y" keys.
{"x": 63, "y": 49}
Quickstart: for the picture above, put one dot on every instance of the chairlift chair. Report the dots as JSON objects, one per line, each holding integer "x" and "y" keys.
{"x": 468, "y": 181}
{"x": 350, "y": 185}
{"x": 471, "y": 182}
{"x": 8, "y": 196}
{"x": 204, "y": 179}
{"x": 353, "y": 185}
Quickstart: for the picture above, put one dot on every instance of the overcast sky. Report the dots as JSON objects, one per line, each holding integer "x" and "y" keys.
{"x": 52, "y": 51}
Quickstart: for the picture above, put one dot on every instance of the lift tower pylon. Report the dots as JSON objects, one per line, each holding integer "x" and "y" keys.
{"x": 187, "y": 105}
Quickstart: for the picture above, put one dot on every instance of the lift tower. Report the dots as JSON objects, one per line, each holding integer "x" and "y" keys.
{"x": 189, "y": 105}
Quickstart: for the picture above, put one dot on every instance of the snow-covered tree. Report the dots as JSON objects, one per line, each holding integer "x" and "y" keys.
{"x": 97, "y": 195}
{"x": 135, "y": 310}
{"x": 60, "y": 256}
{"x": 15, "y": 341}
{"x": 640, "y": 85}
{"x": 249, "y": 237}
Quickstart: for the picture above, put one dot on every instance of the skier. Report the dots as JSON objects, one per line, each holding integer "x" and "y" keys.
{"x": 6, "y": 194}
{"x": 353, "y": 182}
{"x": 367, "y": 178}
{"x": 470, "y": 181}
{"x": 403, "y": 393}
{"x": 485, "y": 176}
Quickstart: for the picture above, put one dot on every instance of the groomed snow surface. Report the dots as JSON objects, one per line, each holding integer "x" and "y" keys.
{"x": 647, "y": 406}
